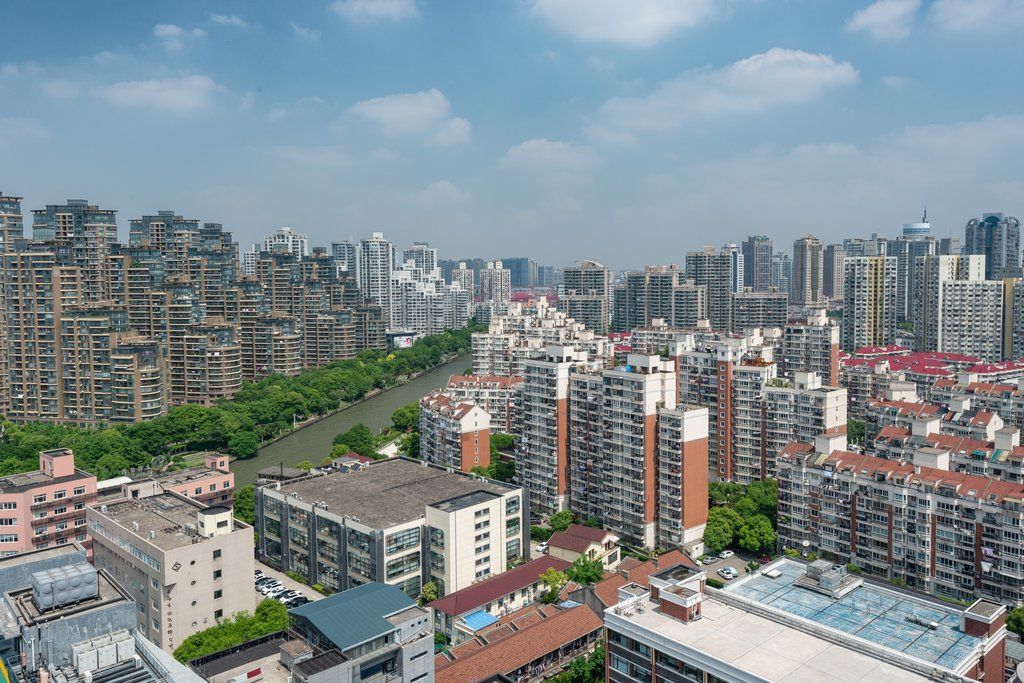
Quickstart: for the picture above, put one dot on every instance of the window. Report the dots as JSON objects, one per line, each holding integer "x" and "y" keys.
{"x": 218, "y": 614}
{"x": 9, "y": 505}
{"x": 403, "y": 565}
{"x": 156, "y": 586}
{"x": 79, "y": 506}
{"x": 225, "y": 485}
{"x": 512, "y": 505}
{"x": 41, "y": 498}
{"x": 199, "y": 490}
{"x": 79, "y": 491}
{"x": 216, "y": 554}
{"x": 57, "y": 495}
{"x": 216, "y": 574}
{"x": 217, "y": 594}
{"x": 8, "y": 521}
{"x": 8, "y": 538}
{"x": 402, "y": 540}
{"x": 213, "y": 487}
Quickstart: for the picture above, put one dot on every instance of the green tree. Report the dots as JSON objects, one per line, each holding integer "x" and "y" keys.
{"x": 855, "y": 431}
{"x": 406, "y": 417}
{"x": 724, "y": 492}
{"x": 502, "y": 442}
{"x": 243, "y": 444}
{"x": 410, "y": 445}
{"x": 755, "y": 533}
{"x": 765, "y": 498}
{"x": 305, "y": 465}
{"x": 593, "y": 522}
{"x": 560, "y": 521}
{"x": 553, "y": 581}
{"x": 270, "y": 617}
{"x": 1015, "y": 621}
{"x": 339, "y": 449}
{"x": 428, "y": 593}
{"x": 540, "y": 533}
{"x": 359, "y": 438}
{"x": 721, "y": 528}
{"x": 585, "y": 572}
{"x": 245, "y": 504}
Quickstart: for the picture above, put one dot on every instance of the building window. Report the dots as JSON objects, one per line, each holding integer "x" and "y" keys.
{"x": 402, "y": 540}
{"x": 512, "y": 505}
{"x": 216, "y": 574}
{"x": 216, "y": 554}
{"x": 199, "y": 490}
{"x": 57, "y": 495}
{"x": 41, "y": 498}
{"x": 79, "y": 491}
{"x": 217, "y": 594}
{"x": 156, "y": 586}
{"x": 403, "y": 565}
{"x": 218, "y": 614}
{"x": 9, "y": 505}
{"x": 225, "y": 485}
{"x": 8, "y": 521}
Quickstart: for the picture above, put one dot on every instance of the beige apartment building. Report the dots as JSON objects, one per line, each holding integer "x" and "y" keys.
{"x": 185, "y": 563}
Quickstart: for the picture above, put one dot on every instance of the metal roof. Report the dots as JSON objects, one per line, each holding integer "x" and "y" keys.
{"x": 356, "y": 615}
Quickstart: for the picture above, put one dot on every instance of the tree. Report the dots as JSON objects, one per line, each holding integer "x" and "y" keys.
{"x": 553, "y": 581}
{"x": 764, "y": 495}
{"x": 755, "y": 533}
{"x": 540, "y": 533}
{"x": 410, "y": 445}
{"x": 502, "y": 442}
{"x": 359, "y": 438}
{"x": 245, "y": 504}
{"x": 721, "y": 528}
{"x": 326, "y": 461}
{"x": 560, "y": 521}
{"x": 339, "y": 449}
{"x": 855, "y": 431}
{"x": 305, "y": 465}
{"x": 585, "y": 572}
{"x": 1015, "y": 622}
{"x": 593, "y": 522}
{"x": 406, "y": 417}
{"x": 724, "y": 492}
{"x": 270, "y": 617}
{"x": 428, "y": 593}
{"x": 243, "y": 444}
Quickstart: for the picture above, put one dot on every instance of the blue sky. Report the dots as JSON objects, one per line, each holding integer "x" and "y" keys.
{"x": 630, "y": 131}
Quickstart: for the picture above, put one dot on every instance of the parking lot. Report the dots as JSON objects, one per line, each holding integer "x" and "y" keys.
{"x": 737, "y": 562}
{"x": 286, "y": 580}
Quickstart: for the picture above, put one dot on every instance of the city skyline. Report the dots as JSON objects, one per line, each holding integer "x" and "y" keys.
{"x": 561, "y": 129}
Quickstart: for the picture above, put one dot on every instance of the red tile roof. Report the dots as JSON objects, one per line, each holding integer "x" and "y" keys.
{"x": 577, "y": 538}
{"x": 632, "y": 570}
{"x": 519, "y": 649}
{"x": 489, "y": 590}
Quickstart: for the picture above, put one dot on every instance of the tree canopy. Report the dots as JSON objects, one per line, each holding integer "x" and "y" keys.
{"x": 745, "y": 517}
{"x": 553, "y": 581}
{"x": 245, "y": 504}
{"x": 271, "y": 616}
{"x": 406, "y": 417}
{"x": 560, "y": 521}
{"x": 584, "y": 571}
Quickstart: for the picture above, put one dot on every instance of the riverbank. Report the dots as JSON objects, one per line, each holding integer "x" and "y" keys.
{"x": 313, "y": 439}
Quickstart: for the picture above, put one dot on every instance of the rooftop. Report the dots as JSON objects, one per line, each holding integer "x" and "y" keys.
{"x": 356, "y": 615}
{"x": 171, "y": 518}
{"x": 488, "y": 590}
{"x": 388, "y": 492}
{"x": 19, "y": 483}
{"x": 888, "y": 618}
{"x": 578, "y": 537}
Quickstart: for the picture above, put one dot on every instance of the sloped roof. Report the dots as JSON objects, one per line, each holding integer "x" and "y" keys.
{"x": 356, "y": 615}
{"x": 578, "y": 537}
{"x": 488, "y": 590}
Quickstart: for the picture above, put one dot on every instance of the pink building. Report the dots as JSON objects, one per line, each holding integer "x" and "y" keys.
{"x": 45, "y": 508}
{"x": 212, "y": 483}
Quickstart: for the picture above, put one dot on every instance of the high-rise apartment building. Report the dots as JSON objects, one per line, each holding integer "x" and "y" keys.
{"x": 89, "y": 232}
{"x": 914, "y": 243}
{"x": 523, "y": 271}
{"x": 454, "y": 433}
{"x": 812, "y": 345}
{"x": 759, "y": 309}
{"x": 286, "y": 240}
{"x": 757, "y": 263}
{"x": 736, "y": 253}
{"x": 716, "y": 271}
{"x": 376, "y": 263}
{"x": 495, "y": 282}
{"x": 997, "y": 238}
{"x": 782, "y": 271}
{"x": 587, "y": 295}
{"x": 807, "y": 282}
{"x": 466, "y": 278}
{"x": 346, "y": 258}
{"x": 956, "y": 310}
{"x": 11, "y": 230}
{"x": 832, "y": 272}
{"x": 423, "y": 256}
{"x": 869, "y": 301}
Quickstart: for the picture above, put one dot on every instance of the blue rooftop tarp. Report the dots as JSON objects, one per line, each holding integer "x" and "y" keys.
{"x": 478, "y": 620}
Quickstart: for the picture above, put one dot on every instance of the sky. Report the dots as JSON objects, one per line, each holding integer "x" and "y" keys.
{"x": 630, "y": 132}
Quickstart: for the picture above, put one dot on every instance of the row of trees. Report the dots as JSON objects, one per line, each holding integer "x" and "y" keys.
{"x": 259, "y": 411}
{"x": 741, "y": 516}
{"x": 271, "y": 616}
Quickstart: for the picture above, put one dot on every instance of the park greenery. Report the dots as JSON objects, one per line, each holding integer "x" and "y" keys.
{"x": 261, "y": 410}
{"x": 854, "y": 432}
{"x": 741, "y": 516}
{"x": 271, "y": 616}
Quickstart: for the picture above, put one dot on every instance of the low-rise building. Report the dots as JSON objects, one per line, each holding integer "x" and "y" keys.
{"x": 454, "y": 433}
{"x": 588, "y": 542}
{"x": 396, "y": 521}
{"x": 179, "y": 559}
{"x": 47, "y": 507}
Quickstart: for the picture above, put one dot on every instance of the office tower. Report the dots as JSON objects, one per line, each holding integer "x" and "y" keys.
{"x": 714, "y": 270}
{"x": 286, "y": 240}
{"x": 140, "y": 541}
{"x": 464, "y": 277}
{"x": 376, "y": 263}
{"x": 782, "y": 271}
{"x": 90, "y": 232}
{"x": 807, "y": 283}
{"x": 812, "y": 345}
{"x": 949, "y": 246}
{"x": 587, "y": 295}
{"x": 346, "y": 257}
{"x": 523, "y": 271}
{"x": 869, "y": 301}
{"x": 997, "y": 238}
{"x": 757, "y": 263}
{"x": 454, "y": 433}
{"x": 396, "y": 521}
{"x": 737, "y": 265}
{"x": 495, "y": 283}
{"x": 547, "y": 276}
{"x": 915, "y": 242}
{"x": 424, "y": 257}
{"x": 928, "y": 282}
{"x": 832, "y": 272}
{"x": 759, "y": 309}
{"x": 542, "y": 461}
{"x": 11, "y": 230}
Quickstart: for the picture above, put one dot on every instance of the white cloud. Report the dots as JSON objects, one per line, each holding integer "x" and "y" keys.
{"x": 305, "y": 33}
{"x": 105, "y": 57}
{"x": 440, "y": 192}
{"x": 974, "y": 15}
{"x": 174, "y": 37}
{"x": 182, "y": 96}
{"x": 317, "y": 157}
{"x": 886, "y": 19}
{"x": 230, "y": 20}
{"x": 773, "y": 78}
{"x": 541, "y": 154}
{"x": 60, "y": 89}
{"x": 417, "y": 113}
{"x": 894, "y": 82}
{"x": 282, "y": 110}
{"x": 375, "y": 10}
{"x": 30, "y": 68}
{"x": 247, "y": 100}
{"x": 634, "y": 23}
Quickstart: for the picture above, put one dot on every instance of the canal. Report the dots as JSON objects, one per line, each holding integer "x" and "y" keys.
{"x": 313, "y": 442}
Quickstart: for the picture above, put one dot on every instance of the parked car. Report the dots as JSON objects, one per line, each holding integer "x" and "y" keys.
{"x": 728, "y": 573}
{"x": 726, "y": 554}
{"x": 264, "y": 580}
{"x": 285, "y": 596}
{"x": 764, "y": 559}
{"x": 296, "y": 602}
{"x": 541, "y": 548}
{"x": 274, "y": 592}
{"x": 710, "y": 559}
{"x": 269, "y": 586}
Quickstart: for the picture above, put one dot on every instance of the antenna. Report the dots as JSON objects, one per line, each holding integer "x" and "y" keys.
{"x": 924, "y": 218}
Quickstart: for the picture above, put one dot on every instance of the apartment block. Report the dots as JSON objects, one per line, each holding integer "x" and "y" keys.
{"x": 1003, "y": 398}
{"x": 869, "y": 301}
{"x": 807, "y": 283}
{"x": 587, "y": 295}
{"x": 179, "y": 559}
{"x": 495, "y": 282}
{"x": 951, "y": 534}
{"x": 812, "y": 345}
{"x": 397, "y": 521}
{"x": 454, "y": 433}
{"x": 45, "y": 508}
{"x": 500, "y": 396}
{"x": 759, "y": 309}
{"x": 682, "y": 465}
{"x": 716, "y": 271}
{"x": 757, "y": 263}
{"x": 1000, "y": 458}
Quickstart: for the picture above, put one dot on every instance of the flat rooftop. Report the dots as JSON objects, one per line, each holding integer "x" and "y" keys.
{"x": 884, "y": 617}
{"x": 764, "y": 647}
{"x": 19, "y": 483}
{"x": 17, "y": 608}
{"x": 389, "y": 492}
{"x": 166, "y": 515}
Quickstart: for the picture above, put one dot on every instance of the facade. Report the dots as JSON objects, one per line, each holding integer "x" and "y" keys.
{"x": 869, "y": 301}
{"x": 759, "y": 309}
{"x": 812, "y": 345}
{"x": 997, "y": 238}
{"x": 587, "y": 295}
{"x": 45, "y": 508}
{"x": 590, "y": 543}
{"x": 500, "y": 396}
{"x": 454, "y": 433}
{"x": 715, "y": 271}
{"x": 178, "y": 558}
{"x": 832, "y": 272}
{"x": 757, "y": 263}
{"x": 495, "y": 283}
{"x": 807, "y": 281}
{"x": 287, "y": 240}
{"x": 397, "y": 521}
{"x": 930, "y": 274}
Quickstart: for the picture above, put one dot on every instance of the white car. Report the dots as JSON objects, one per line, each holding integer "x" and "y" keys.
{"x": 728, "y": 573}
{"x": 726, "y": 554}
{"x": 274, "y": 592}
{"x": 542, "y": 548}
{"x": 273, "y": 585}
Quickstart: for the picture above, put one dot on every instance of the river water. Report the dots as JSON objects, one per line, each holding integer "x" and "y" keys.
{"x": 313, "y": 442}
